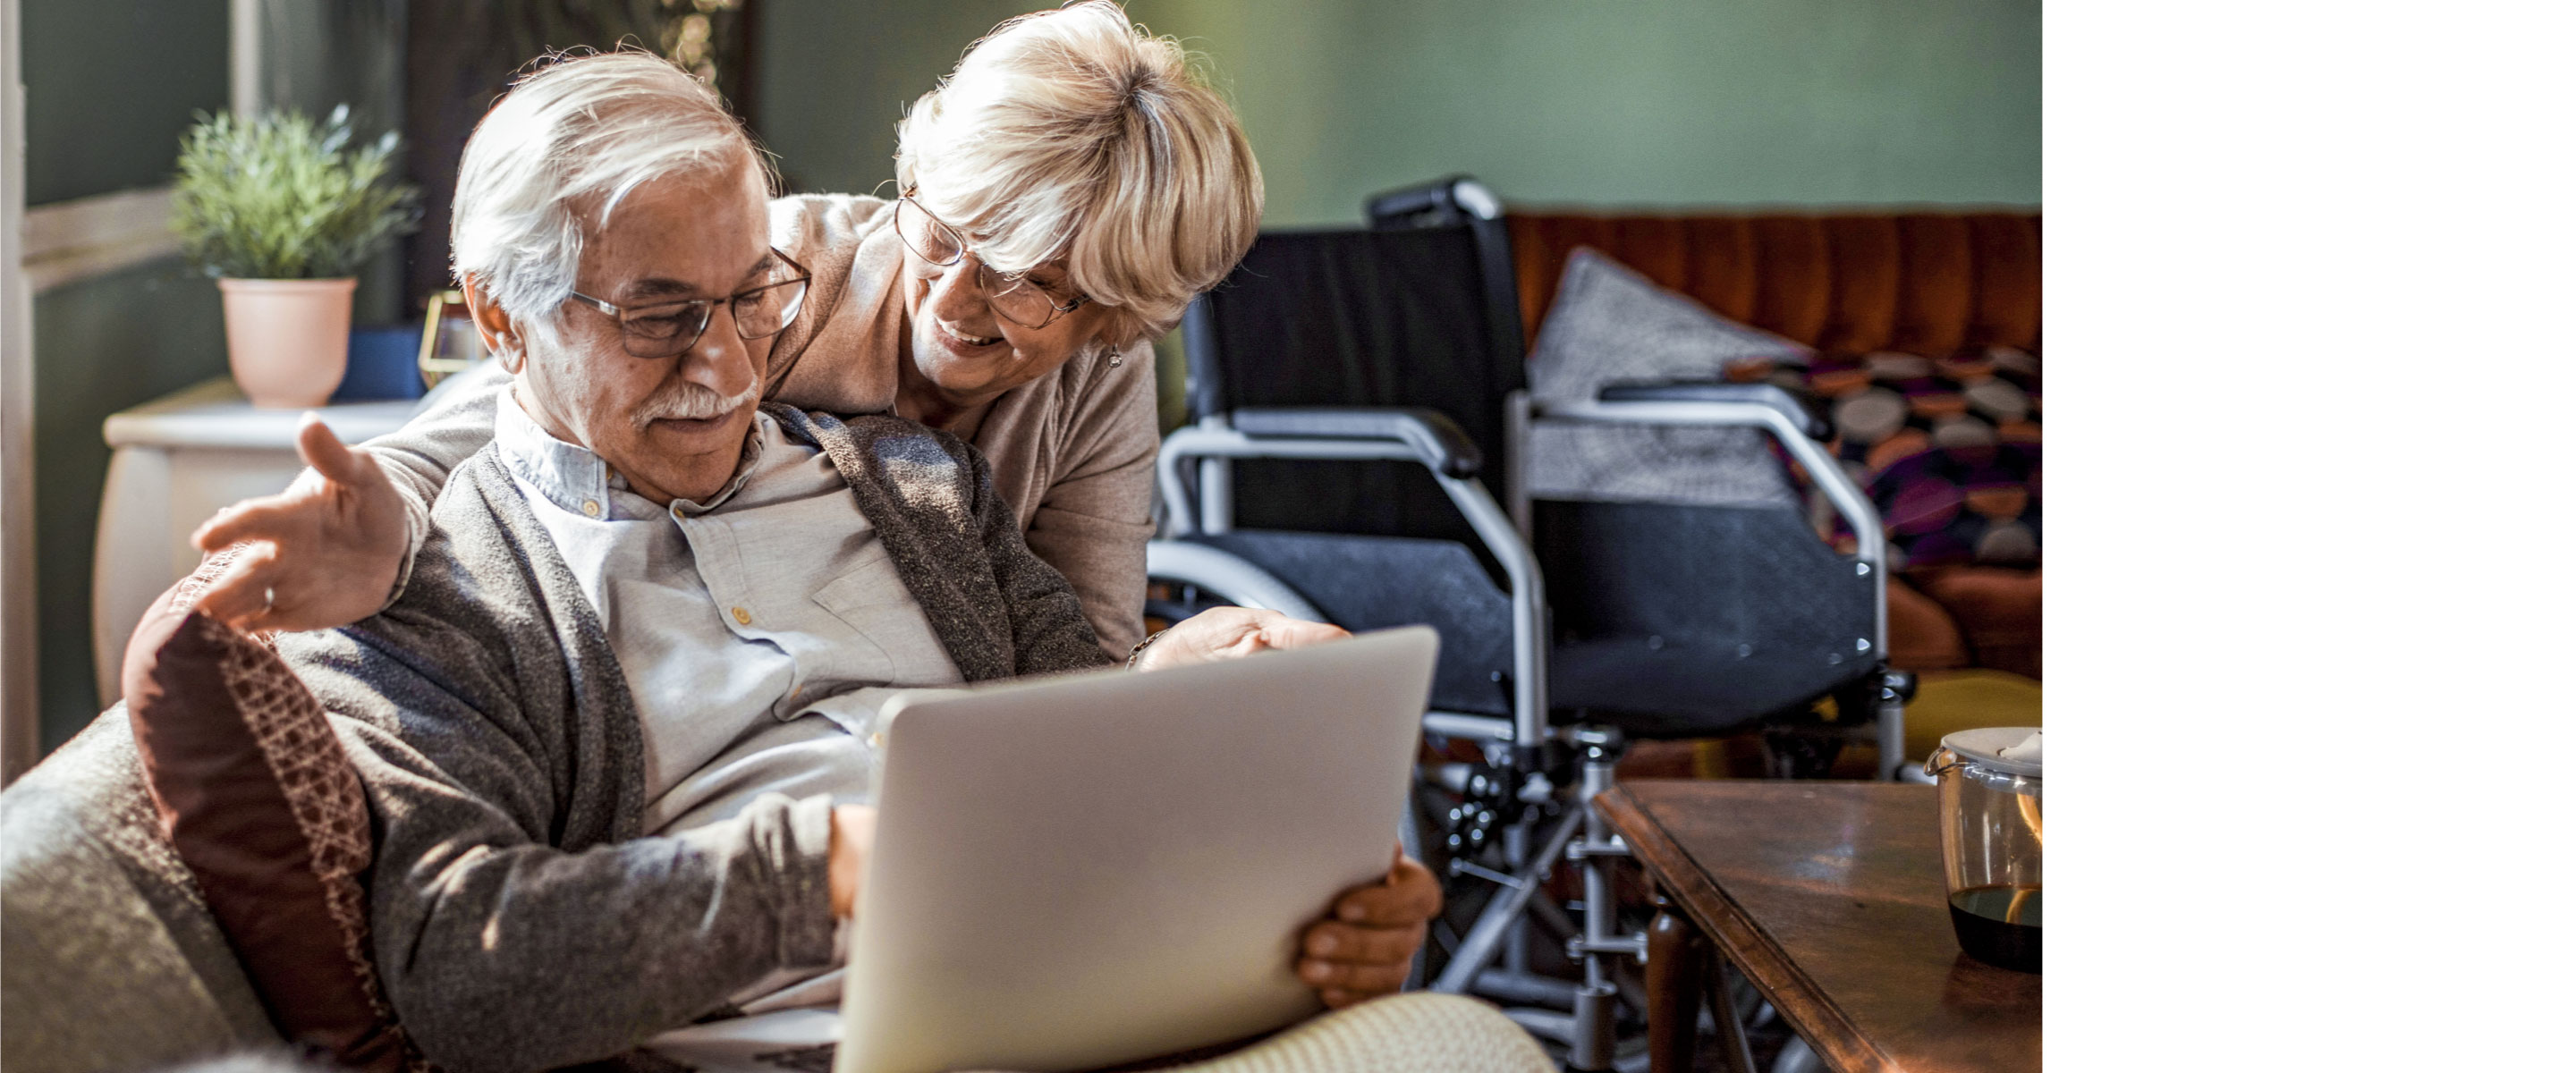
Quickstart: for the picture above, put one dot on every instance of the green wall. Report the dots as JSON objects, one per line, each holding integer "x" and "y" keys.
{"x": 102, "y": 345}
{"x": 318, "y": 54}
{"x": 1550, "y": 102}
{"x": 835, "y": 75}
{"x": 110, "y": 87}
{"x": 111, "y": 84}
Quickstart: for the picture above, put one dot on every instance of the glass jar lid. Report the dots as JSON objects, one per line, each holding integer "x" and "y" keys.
{"x": 2005, "y": 750}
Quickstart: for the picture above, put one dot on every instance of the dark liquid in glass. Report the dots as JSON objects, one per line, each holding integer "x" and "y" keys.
{"x": 1999, "y": 925}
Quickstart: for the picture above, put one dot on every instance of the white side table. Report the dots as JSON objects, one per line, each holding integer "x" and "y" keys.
{"x": 179, "y": 459}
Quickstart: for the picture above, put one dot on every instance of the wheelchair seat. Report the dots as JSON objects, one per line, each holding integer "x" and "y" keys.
{"x": 1694, "y": 672}
{"x": 1695, "y": 621}
{"x": 1371, "y": 583}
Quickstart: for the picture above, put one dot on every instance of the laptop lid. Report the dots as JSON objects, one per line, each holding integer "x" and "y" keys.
{"x": 1091, "y": 869}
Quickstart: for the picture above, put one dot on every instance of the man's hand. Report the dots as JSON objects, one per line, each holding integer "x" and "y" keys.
{"x": 323, "y": 553}
{"x": 854, "y": 836}
{"x": 1230, "y": 633}
{"x": 1366, "y": 947}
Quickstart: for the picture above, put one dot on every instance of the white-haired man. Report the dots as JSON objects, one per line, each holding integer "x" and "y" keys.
{"x": 616, "y": 730}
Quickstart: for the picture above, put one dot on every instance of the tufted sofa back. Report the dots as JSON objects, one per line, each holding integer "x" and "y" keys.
{"x": 1926, "y": 283}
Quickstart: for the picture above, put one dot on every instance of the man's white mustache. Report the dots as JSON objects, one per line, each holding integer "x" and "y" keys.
{"x": 692, "y": 402}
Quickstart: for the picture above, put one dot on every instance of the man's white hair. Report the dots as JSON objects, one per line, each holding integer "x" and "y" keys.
{"x": 567, "y": 142}
{"x": 1074, "y": 134}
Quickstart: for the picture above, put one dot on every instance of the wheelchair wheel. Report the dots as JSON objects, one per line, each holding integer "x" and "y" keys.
{"x": 1183, "y": 579}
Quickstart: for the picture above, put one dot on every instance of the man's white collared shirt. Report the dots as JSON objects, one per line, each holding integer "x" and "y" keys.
{"x": 758, "y": 630}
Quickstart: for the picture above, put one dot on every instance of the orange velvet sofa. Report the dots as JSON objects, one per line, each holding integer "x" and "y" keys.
{"x": 1925, "y": 283}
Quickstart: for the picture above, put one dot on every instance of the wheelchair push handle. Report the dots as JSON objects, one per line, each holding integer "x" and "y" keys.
{"x": 1434, "y": 438}
{"x": 1445, "y": 202}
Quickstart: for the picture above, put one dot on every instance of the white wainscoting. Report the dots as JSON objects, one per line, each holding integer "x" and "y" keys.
{"x": 70, "y": 241}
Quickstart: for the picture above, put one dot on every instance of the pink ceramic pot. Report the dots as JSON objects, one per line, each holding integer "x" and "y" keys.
{"x": 289, "y": 338}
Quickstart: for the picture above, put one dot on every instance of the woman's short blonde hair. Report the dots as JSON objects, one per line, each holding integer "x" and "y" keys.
{"x": 1075, "y": 135}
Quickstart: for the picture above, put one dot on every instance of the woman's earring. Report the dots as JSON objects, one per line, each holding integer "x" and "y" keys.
{"x": 1116, "y": 359}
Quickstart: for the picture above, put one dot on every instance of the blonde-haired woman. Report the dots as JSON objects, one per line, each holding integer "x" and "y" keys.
{"x": 1062, "y": 196}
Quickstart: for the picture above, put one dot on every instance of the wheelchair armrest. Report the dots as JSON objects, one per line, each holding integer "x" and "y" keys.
{"x": 1802, "y": 408}
{"x": 1797, "y": 429}
{"x": 1434, "y": 438}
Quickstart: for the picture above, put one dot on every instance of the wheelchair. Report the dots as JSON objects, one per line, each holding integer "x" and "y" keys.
{"x": 1349, "y": 392}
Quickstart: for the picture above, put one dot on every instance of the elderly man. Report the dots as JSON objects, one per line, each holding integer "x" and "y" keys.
{"x": 616, "y": 731}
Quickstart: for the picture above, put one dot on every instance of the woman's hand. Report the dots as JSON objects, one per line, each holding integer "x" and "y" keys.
{"x": 323, "y": 553}
{"x": 854, "y": 837}
{"x": 1366, "y": 948}
{"x": 1231, "y": 633}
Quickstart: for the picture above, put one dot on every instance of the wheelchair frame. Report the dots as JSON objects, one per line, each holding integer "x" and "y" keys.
{"x": 1362, "y": 433}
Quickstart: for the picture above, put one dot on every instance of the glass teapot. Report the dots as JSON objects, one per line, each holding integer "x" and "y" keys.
{"x": 1990, "y": 841}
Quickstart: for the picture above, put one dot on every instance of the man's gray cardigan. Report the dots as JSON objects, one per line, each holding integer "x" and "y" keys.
{"x": 520, "y": 922}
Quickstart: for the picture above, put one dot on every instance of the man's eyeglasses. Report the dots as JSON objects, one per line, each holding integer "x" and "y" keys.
{"x": 1013, "y": 297}
{"x": 664, "y": 329}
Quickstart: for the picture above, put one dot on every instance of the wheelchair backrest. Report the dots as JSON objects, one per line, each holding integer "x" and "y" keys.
{"x": 1356, "y": 318}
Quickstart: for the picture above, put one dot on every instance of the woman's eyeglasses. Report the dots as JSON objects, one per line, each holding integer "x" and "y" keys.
{"x": 664, "y": 329}
{"x": 1015, "y": 298}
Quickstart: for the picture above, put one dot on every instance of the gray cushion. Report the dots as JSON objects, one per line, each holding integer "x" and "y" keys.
{"x": 108, "y": 957}
{"x": 1610, "y": 325}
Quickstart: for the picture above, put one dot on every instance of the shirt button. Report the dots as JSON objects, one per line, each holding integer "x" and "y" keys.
{"x": 741, "y": 616}
{"x": 590, "y": 507}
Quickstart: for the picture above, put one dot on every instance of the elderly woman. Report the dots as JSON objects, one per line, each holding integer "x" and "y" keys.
{"x": 1062, "y": 196}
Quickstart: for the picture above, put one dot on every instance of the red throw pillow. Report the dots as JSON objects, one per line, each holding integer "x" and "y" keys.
{"x": 263, "y": 805}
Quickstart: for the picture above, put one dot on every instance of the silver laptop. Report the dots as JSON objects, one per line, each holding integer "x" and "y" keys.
{"x": 1088, "y": 870}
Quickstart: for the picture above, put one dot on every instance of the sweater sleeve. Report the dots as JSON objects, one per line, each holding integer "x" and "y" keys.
{"x": 839, "y": 355}
{"x": 419, "y": 456}
{"x": 1048, "y": 629}
{"x": 1093, "y": 523}
{"x": 501, "y": 951}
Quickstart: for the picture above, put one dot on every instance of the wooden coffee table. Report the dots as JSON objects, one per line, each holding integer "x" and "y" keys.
{"x": 1829, "y": 897}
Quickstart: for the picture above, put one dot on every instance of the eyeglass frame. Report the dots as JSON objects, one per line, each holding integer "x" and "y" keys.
{"x": 983, "y": 267}
{"x": 706, "y": 307}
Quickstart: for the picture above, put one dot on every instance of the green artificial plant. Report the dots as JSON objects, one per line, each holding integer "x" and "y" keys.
{"x": 283, "y": 197}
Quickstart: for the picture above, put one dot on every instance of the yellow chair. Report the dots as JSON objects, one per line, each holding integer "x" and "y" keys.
{"x": 1946, "y": 701}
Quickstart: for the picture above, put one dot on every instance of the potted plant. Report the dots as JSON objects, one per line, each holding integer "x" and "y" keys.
{"x": 282, "y": 212}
